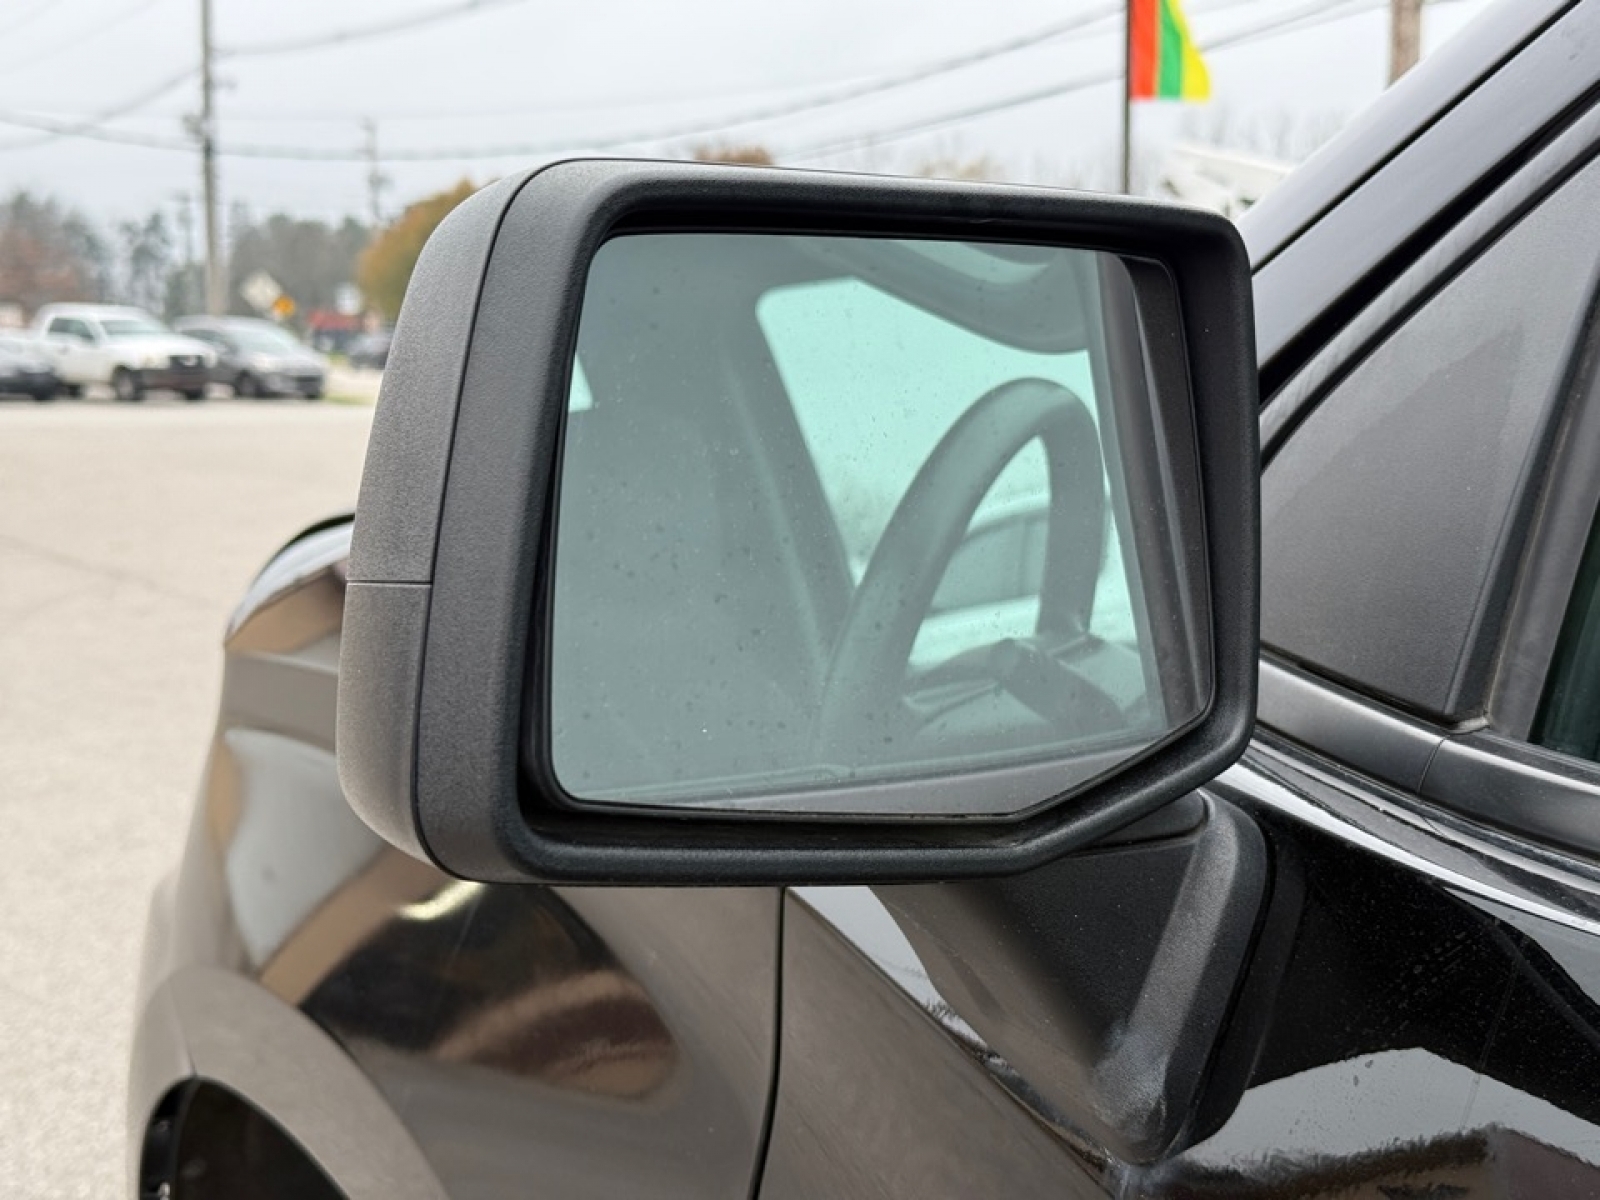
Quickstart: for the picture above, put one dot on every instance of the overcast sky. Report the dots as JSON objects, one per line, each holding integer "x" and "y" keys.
{"x": 521, "y": 75}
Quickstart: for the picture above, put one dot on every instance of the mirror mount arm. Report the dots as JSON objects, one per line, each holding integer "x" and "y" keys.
{"x": 1110, "y": 979}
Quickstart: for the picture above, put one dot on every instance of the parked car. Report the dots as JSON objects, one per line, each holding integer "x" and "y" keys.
{"x": 575, "y": 822}
{"x": 370, "y": 350}
{"x": 125, "y": 348}
{"x": 24, "y": 369}
{"x": 258, "y": 358}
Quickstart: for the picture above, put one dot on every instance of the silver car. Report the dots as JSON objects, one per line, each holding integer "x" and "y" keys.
{"x": 257, "y": 358}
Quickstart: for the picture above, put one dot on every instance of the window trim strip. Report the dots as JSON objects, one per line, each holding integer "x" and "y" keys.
{"x": 1383, "y": 743}
{"x": 1473, "y": 773}
{"x": 1562, "y": 523}
{"x": 1512, "y": 785}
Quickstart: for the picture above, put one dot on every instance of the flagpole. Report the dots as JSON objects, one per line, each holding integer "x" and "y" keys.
{"x": 1127, "y": 102}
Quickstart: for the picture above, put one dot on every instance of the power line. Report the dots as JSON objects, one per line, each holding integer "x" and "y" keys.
{"x": 92, "y": 133}
{"x": 1306, "y": 17}
{"x": 837, "y": 94}
{"x": 29, "y": 61}
{"x": 323, "y": 116}
{"x": 814, "y": 103}
{"x": 932, "y": 70}
{"x": 673, "y": 132}
{"x": 772, "y": 112}
{"x": 360, "y": 33}
{"x": 552, "y": 108}
{"x": 90, "y": 127}
{"x": 1320, "y": 13}
{"x": 725, "y": 125}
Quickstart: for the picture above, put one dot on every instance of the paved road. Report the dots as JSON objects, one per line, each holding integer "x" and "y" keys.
{"x": 126, "y": 535}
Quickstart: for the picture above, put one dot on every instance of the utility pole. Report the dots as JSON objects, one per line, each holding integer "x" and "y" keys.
{"x": 216, "y": 289}
{"x": 1405, "y": 36}
{"x": 377, "y": 181}
{"x": 1127, "y": 99}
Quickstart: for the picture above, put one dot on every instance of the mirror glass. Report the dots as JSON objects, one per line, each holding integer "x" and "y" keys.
{"x": 866, "y": 526}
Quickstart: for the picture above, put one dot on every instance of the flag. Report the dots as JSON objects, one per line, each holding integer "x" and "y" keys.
{"x": 1163, "y": 63}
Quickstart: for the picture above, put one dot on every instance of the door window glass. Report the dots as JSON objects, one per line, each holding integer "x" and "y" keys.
{"x": 71, "y": 327}
{"x": 1389, "y": 514}
{"x": 1569, "y": 715}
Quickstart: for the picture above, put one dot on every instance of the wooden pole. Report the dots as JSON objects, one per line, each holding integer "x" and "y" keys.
{"x": 216, "y": 290}
{"x": 1127, "y": 100}
{"x": 1405, "y": 36}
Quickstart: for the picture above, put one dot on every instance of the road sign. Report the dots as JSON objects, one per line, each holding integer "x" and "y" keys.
{"x": 283, "y": 308}
{"x": 260, "y": 291}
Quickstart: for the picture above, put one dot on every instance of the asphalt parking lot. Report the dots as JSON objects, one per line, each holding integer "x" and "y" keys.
{"x": 126, "y": 535}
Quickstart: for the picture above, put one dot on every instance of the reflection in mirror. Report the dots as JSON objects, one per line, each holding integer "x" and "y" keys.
{"x": 837, "y": 514}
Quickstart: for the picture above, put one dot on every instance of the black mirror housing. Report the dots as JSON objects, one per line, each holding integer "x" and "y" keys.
{"x": 447, "y": 618}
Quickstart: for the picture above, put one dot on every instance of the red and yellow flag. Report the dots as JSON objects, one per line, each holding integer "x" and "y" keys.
{"x": 1163, "y": 63}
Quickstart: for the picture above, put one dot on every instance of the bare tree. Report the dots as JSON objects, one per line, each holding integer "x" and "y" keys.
{"x": 147, "y": 262}
{"x": 49, "y": 252}
{"x": 750, "y": 155}
{"x": 981, "y": 168}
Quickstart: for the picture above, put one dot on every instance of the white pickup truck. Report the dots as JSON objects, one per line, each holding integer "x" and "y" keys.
{"x": 126, "y": 348}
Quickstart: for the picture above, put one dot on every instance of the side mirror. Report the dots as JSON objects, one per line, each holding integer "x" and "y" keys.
{"x": 670, "y": 464}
